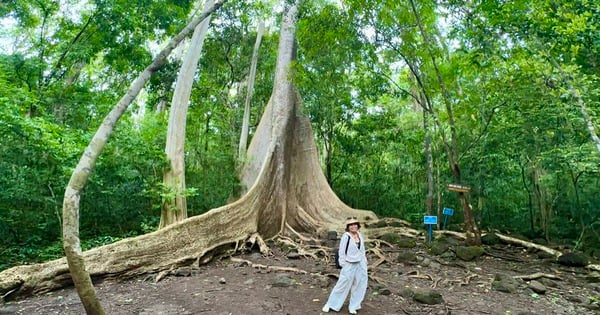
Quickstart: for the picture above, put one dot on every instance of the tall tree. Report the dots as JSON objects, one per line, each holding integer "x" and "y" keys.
{"x": 472, "y": 230}
{"x": 174, "y": 207}
{"x": 288, "y": 195}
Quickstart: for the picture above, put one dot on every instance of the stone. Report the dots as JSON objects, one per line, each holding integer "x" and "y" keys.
{"x": 183, "y": 272}
{"x": 468, "y": 253}
{"x": 491, "y": 239}
{"x": 428, "y": 297}
{"x": 537, "y": 287}
{"x": 438, "y": 248}
{"x": 406, "y": 257}
{"x": 574, "y": 260}
{"x": 504, "y": 283}
{"x": 282, "y": 280}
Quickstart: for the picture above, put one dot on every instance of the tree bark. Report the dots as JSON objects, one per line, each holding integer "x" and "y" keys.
{"x": 251, "y": 77}
{"x": 174, "y": 207}
{"x": 288, "y": 195}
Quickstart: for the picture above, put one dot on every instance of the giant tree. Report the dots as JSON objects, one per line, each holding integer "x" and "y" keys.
{"x": 288, "y": 194}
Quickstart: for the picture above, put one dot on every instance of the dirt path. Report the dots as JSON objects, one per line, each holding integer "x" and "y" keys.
{"x": 225, "y": 287}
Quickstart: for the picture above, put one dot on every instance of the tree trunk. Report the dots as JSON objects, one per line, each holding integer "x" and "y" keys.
{"x": 251, "y": 77}
{"x": 472, "y": 231}
{"x": 75, "y": 262}
{"x": 576, "y": 94}
{"x": 174, "y": 207}
{"x": 288, "y": 195}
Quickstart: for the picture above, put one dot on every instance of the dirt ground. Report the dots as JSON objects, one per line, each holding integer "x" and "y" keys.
{"x": 226, "y": 287}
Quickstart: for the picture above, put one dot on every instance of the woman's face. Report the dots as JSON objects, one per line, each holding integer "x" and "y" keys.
{"x": 353, "y": 227}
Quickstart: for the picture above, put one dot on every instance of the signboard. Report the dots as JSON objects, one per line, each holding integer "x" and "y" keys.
{"x": 430, "y": 219}
{"x": 458, "y": 187}
{"x": 447, "y": 213}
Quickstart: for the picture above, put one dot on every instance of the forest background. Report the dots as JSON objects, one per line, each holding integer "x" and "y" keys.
{"x": 515, "y": 85}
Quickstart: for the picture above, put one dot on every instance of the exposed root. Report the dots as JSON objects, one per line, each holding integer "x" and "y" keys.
{"x": 255, "y": 239}
{"x": 377, "y": 279}
{"x": 402, "y": 231}
{"x": 302, "y": 250}
{"x": 416, "y": 274}
{"x": 298, "y": 235}
{"x": 267, "y": 267}
{"x": 379, "y": 253}
{"x": 537, "y": 275}
{"x": 378, "y": 243}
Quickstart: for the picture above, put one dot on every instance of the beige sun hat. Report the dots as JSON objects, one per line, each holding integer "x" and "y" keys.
{"x": 352, "y": 221}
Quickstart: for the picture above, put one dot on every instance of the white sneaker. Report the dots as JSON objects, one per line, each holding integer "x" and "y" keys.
{"x": 325, "y": 309}
{"x": 353, "y": 312}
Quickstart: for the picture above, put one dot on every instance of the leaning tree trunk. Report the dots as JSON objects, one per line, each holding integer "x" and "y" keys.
{"x": 250, "y": 89}
{"x": 288, "y": 195}
{"x": 174, "y": 209}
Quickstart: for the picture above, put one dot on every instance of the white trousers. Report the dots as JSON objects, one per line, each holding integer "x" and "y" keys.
{"x": 353, "y": 279}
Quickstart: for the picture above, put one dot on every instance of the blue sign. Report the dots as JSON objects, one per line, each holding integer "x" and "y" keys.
{"x": 448, "y": 211}
{"x": 430, "y": 219}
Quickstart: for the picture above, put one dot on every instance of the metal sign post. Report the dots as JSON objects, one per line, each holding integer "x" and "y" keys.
{"x": 448, "y": 212}
{"x": 430, "y": 221}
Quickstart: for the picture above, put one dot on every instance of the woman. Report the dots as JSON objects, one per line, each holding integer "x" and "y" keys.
{"x": 353, "y": 276}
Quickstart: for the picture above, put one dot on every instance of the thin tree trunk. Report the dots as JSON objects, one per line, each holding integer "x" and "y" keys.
{"x": 251, "y": 77}
{"x": 174, "y": 208}
{"x": 580, "y": 103}
{"x": 471, "y": 229}
{"x": 82, "y": 171}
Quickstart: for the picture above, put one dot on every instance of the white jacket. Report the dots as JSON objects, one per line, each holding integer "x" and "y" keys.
{"x": 355, "y": 252}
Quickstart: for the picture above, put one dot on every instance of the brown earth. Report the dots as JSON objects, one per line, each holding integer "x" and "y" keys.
{"x": 226, "y": 287}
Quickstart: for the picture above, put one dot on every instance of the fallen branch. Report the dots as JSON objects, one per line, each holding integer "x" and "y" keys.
{"x": 537, "y": 275}
{"x": 593, "y": 267}
{"x": 261, "y": 266}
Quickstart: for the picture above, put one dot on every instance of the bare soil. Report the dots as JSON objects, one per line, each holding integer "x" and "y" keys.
{"x": 226, "y": 287}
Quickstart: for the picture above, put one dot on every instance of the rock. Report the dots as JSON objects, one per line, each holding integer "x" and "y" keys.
{"x": 548, "y": 282}
{"x": 332, "y": 235}
{"x": 323, "y": 282}
{"x": 407, "y": 293}
{"x": 574, "y": 260}
{"x": 438, "y": 248}
{"x": 183, "y": 272}
{"x": 394, "y": 238}
{"x": 385, "y": 291}
{"x": 537, "y": 287}
{"x": 491, "y": 239}
{"x": 406, "y": 257}
{"x": 428, "y": 297}
{"x": 8, "y": 309}
{"x": 504, "y": 283}
{"x": 378, "y": 224}
{"x": 282, "y": 280}
{"x": 222, "y": 281}
{"x": 293, "y": 255}
{"x": 574, "y": 298}
{"x": 468, "y": 253}
{"x": 544, "y": 255}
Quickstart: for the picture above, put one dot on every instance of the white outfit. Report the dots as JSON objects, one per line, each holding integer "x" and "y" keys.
{"x": 353, "y": 276}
